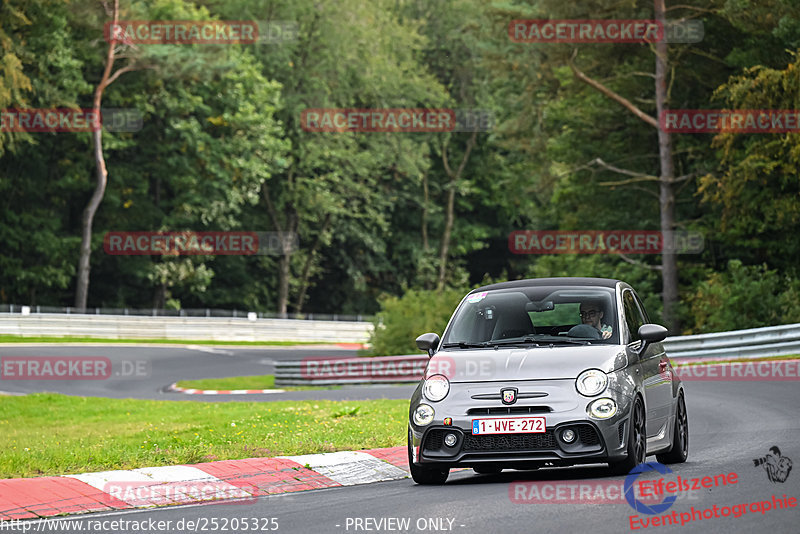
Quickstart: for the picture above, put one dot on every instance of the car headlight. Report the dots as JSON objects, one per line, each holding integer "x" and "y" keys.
{"x": 423, "y": 415}
{"x": 603, "y": 408}
{"x": 591, "y": 382}
{"x": 436, "y": 388}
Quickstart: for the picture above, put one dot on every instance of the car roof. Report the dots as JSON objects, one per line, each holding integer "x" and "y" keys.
{"x": 542, "y": 282}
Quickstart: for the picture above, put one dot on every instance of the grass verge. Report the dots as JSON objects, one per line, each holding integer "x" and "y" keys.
{"x": 53, "y": 434}
{"x": 7, "y": 338}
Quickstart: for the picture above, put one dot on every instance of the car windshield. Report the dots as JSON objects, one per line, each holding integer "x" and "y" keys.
{"x": 534, "y": 316}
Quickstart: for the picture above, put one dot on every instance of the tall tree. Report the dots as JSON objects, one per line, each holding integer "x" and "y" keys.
{"x": 336, "y": 188}
{"x": 615, "y": 73}
{"x": 667, "y": 179}
{"x": 40, "y": 68}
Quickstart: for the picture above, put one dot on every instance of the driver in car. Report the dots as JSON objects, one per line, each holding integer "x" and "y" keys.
{"x": 591, "y": 314}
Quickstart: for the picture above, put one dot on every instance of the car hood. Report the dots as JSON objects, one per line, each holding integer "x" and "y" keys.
{"x": 518, "y": 363}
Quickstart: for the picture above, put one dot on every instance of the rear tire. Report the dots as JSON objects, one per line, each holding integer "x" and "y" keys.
{"x": 637, "y": 441}
{"x": 680, "y": 437}
{"x": 426, "y": 476}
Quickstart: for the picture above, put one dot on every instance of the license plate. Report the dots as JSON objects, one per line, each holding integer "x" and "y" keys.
{"x": 508, "y": 425}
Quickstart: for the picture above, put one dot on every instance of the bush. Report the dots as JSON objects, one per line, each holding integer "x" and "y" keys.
{"x": 744, "y": 297}
{"x": 402, "y": 319}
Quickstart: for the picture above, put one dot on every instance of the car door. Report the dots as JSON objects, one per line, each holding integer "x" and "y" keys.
{"x": 657, "y": 390}
{"x": 663, "y": 385}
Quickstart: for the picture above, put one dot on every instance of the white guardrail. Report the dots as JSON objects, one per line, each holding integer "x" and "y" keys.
{"x": 751, "y": 343}
{"x": 186, "y": 328}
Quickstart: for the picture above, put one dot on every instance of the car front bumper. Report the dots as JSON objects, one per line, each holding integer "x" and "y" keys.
{"x": 598, "y": 440}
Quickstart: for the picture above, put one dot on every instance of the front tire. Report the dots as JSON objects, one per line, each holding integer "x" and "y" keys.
{"x": 425, "y": 476}
{"x": 637, "y": 441}
{"x": 680, "y": 437}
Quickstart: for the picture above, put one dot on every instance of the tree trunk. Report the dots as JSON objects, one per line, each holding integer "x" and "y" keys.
{"x": 667, "y": 181}
{"x": 286, "y": 255}
{"x": 425, "y": 212}
{"x": 160, "y": 297}
{"x": 450, "y": 209}
{"x": 284, "y": 265}
{"x": 101, "y": 178}
{"x": 283, "y": 284}
{"x": 307, "y": 267}
{"x": 448, "y": 228}
{"x": 669, "y": 267}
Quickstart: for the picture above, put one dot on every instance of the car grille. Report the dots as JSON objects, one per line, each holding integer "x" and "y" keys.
{"x": 502, "y": 410}
{"x": 510, "y": 442}
{"x": 622, "y": 432}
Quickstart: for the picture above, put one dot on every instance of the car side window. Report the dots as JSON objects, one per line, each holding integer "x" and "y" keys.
{"x": 642, "y": 308}
{"x": 633, "y": 317}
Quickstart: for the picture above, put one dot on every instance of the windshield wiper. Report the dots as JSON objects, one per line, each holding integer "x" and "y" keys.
{"x": 465, "y": 345}
{"x": 568, "y": 341}
{"x": 525, "y": 341}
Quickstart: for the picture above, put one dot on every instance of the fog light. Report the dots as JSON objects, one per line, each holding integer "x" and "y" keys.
{"x": 450, "y": 440}
{"x": 568, "y": 436}
{"x": 603, "y": 408}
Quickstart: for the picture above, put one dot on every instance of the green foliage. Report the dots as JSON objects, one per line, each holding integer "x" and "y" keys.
{"x": 755, "y": 193}
{"x": 744, "y": 297}
{"x": 402, "y": 319}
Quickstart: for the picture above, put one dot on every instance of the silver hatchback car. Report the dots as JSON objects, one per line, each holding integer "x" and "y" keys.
{"x": 546, "y": 372}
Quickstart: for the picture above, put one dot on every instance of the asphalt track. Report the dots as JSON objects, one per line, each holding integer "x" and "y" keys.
{"x": 731, "y": 423}
{"x": 144, "y": 372}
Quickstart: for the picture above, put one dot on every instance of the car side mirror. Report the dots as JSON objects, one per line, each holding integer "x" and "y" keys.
{"x": 428, "y": 342}
{"x": 651, "y": 333}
